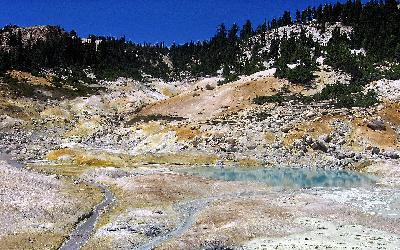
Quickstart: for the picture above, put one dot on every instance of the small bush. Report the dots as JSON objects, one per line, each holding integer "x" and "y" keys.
{"x": 278, "y": 98}
{"x": 156, "y": 117}
{"x": 21, "y": 88}
{"x": 393, "y": 73}
{"x": 340, "y": 95}
{"x": 299, "y": 75}
{"x": 228, "y": 79}
{"x": 209, "y": 87}
{"x": 251, "y": 68}
{"x": 333, "y": 91}
{"x": 365, "y": 100}
{"x": 347, "y": 96}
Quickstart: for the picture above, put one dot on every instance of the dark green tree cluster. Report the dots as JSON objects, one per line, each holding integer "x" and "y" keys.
{"x": 347, "y": 96}
{"x": 301, "y": 52}
{"x": 376, "y": 26}
{"x": 29, "y": 56}
{"x": 207, "y": 57}
{"x": 109, "y": 57}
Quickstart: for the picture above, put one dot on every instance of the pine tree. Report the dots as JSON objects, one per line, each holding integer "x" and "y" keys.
{"x": 397, "y": 53}
{"x": 320, "y": 16}
{"x": 298, "y": 16}
{"x": 274, "y": 24}
{"x": 221, "y": 31}
{"x": 247, "y": 31}
{"x": 232, "y": 48}
{"x": 262, "y": 29}
{"x": 233, "y": 32}
{"x": 306, "y": 15}
{"x": 274, "y": 49}
{"x": 286, "y": 18}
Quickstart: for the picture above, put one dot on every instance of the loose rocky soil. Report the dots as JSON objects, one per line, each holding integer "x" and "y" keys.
{"x": 39, "y": 211}
{"x": 134, "y": 137}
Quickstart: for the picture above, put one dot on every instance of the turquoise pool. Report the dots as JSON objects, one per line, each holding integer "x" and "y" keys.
{"x": 286, "y": 177}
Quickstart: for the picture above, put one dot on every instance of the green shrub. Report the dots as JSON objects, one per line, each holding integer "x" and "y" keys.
{"x": 300, "y": 75}
{"x": 251, "y": 68}
{"x": 21, "y": 88}
{"x": 340, "y": 95}
{"x": 347, "y": 96}
{"x": 365, "y": 100}
{"x": 340, "y": 57}
{"x": 228, "y": 79}
{"x": 361, "y": 68}
{"x": 334, "y": 91}
{"x": 393, "y": 73}
{"x": 155, "y": 117}
{"x": 278, "y": 98}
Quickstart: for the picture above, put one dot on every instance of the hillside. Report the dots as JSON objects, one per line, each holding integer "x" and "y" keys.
{"x": 154, "y": 128}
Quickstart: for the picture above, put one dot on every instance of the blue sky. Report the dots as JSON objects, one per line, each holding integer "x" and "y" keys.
{"x": 145, "y": 20}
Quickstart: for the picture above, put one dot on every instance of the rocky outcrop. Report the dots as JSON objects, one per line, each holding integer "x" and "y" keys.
{"x": 11, "y": 35}
{"x": 376, "y": 124}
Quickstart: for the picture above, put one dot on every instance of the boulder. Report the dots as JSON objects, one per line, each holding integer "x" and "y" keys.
{"x": 325, "y": 138}
{"x": 310, "y": 114}
{"x": 375, "y": 151}
{"x": 286, "y": 129}
{"x": 308, "y": 139}
{"x": 251, "y": 146}
{"x": 376, "y": 124}
{"x": 319, "y": 145}
{"x": 277, "y": 145}
{"x": 392, "y": 155}
{"x": 340, "y": 156}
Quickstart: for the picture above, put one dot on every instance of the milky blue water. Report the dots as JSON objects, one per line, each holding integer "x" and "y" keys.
{"x": 287, "y": 177}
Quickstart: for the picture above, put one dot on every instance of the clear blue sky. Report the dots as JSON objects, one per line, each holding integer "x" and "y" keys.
{"x": 145, "y": 20}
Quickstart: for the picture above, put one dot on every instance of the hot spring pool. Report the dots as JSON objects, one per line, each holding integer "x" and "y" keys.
{"x": 286, "y": 177}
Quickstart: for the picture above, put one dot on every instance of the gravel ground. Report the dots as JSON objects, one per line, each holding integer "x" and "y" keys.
{"x": 37, "y": 210}
{"x": 329, "y": 235}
